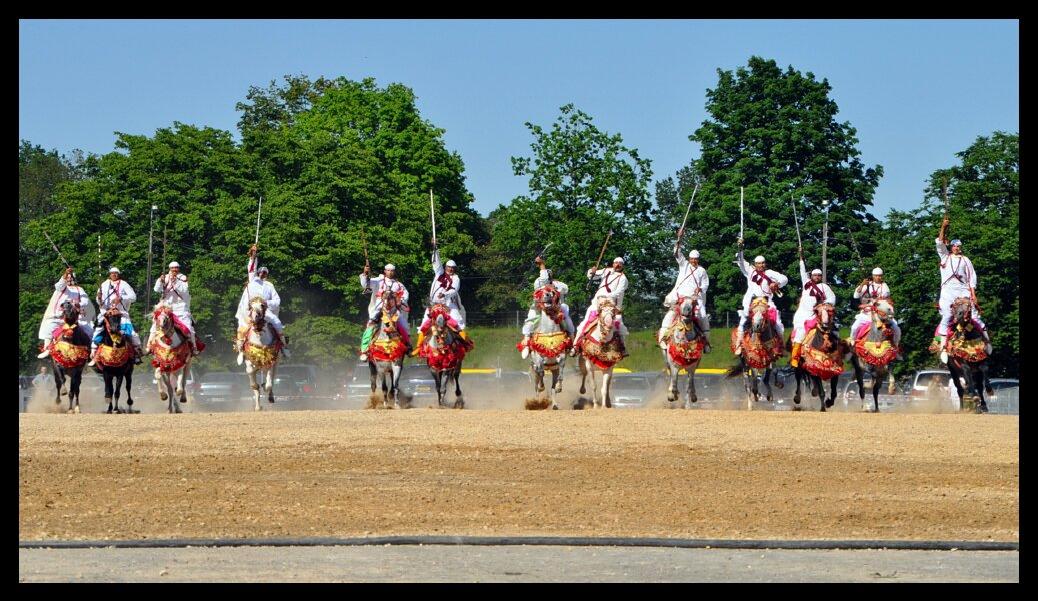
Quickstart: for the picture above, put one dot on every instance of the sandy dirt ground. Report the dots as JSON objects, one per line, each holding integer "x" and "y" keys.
{"x": 693, "y": 474}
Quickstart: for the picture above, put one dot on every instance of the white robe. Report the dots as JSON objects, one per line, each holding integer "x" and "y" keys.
{"x": 808, "y": 301}
{"x": 257, "y": 286}
{"x": 52, "y": 316}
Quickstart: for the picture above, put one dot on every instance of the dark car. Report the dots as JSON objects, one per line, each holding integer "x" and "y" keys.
{"x": 417, "y": 384}
{"x": 629, "y": 391}
{"x": 357, "y": 385}
{"x": 224, "y": 387}
{"x": 295, "y": 381}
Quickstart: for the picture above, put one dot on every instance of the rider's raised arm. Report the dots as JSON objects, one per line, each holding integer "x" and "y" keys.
{"x": 804, "y": 276}
{"x": 859, "y": 290}
{"x": 942, "y": 248}
{"x": 436, "y": 264}
{"x": 743, "y": 266}
{"x": 595, "y": 275}
{"x": 158, "y": 286}
{"x": 366, "y": 281}
{"x": 61, "y": 284}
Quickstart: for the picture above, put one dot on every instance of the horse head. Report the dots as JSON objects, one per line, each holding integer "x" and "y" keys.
{"x": 441, "y": 334}
{"x": 70, "y": 313}
{"x": 961, "y": 311}
{"x": 162, "y": 318}
{"x": 113, "y": 324}
{"x": 390, "y": 315}
{"x": 758, "y": 313}
{"x": 257, "y": 312}
{"x": 607, "y": 312}
{"x": 824, "y": 316}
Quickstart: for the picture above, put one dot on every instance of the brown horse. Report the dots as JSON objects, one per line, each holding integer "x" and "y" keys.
{"x": 822, "y": 356}
{"x": 115, "y": 361}
{"x": 444, "y": 350}
{"x": 69, "y": 352}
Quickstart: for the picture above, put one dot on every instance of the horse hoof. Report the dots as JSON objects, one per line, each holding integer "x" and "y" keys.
{"x": 797, "y": 408}
{"x": 829, "y": 402}
{"x": 163, "y": 396}
{"x": 76, "y": 410}
{"x": 109, "y": 410}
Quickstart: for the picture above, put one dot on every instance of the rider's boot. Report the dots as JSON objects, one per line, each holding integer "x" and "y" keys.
{"x": 794, "y": 357}
{"x": 239, "y": 345}
{"x": 46, "y": 350}
{"x": 525, "y": 344}
{"x": 987, "y": 341}
{"x": 937, "y": 345}
{"x": 194, "y": 346}
{"x": 93, "y": 355}
{"x": 137, "y": 354}
{"x": 660, "y": 339}
{"x": 421, "y": 339}
{"x": 365, "y": 342}
{"x": 706, "y": 339}
{"x": 623, "y": 348}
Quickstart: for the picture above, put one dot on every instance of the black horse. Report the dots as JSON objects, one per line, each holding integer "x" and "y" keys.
{"x": 967, "y": 357}
{"x": 69, "y": 353}
{"x": 824, "y": 343}
{"x": 115, "y": 360}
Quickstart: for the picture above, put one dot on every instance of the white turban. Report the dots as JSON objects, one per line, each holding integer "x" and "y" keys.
{"x": 114, "y": 270}
{"x": 693, "y": 255}
{"x": 618, "y": 260}
{"x": 877, "y": 271}
{"x": 451, "y": 263}
{"x": 173, "y": 264}
{"x": 390, "y": 266}
{"x": 758, "y": 259}
{"x": 816, "y": 272}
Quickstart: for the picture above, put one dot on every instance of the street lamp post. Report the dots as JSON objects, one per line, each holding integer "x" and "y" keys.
{"x": 825, "y": 239}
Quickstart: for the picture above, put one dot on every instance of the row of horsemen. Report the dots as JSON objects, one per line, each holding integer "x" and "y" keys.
{"x": 388, "y": 310}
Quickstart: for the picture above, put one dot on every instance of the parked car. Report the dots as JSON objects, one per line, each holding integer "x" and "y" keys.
{"x": 1006, "y": 399}
{"x": 224, "y": 387}
{"x": 924, "y": 379}
{"x": 296, "y": 381}
{"x": 630, "y": 391}
{"x": 357, "y": 384}
{"x": 416, "y": 384}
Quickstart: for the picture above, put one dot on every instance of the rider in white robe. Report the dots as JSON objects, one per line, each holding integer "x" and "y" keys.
{"x": 173, "y": 292}
{"x": 65, "y": 289}
{"x": 116, "y": 293}
{"x": 258, "y": 285}
{"x": 760, "y": 281}
{"x": 692, "y": 282}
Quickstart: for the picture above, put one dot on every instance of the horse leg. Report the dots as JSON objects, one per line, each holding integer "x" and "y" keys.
{"x": 59, "y": 381}
{"x": 118, "y": 390}
{"x": 767, "y": 384}
{"x": 583, "y": 376}
{"x": 73, "y": 389}
{"x": 817, "y": 385}
{"x": 180, "y": 392}
{"x": 396, "y": 383}
{"x": 692, "y": 398}
{"x": 672, "y": 373}
{"x": 129, "y": 383}
{"x": 556, "y": 385}
{"x": 607, "y": 379}
{"x": 797, "y": 375}
{"x": 459, "y": 402}
{"x": 269, "y": 381}
{"x": 253, "y": 385}
{"x": 560, "y": 370}
{"x": 108, "y": 388}
{"x": 832, "y": 392}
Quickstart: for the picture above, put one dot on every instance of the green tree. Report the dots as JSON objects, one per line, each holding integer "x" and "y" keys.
{"x": 984, "y": 209}
{"x": 775, "y": 133}
{"x": 582, "y": 183}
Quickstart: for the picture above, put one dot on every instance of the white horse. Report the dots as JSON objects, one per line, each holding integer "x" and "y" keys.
{"x": 547, "y": 345}
{"x": 171, "y": 357}
{"x": 600, "y": 352}
{"x": 386, "y": 354}
{"x": 260, "y": 350}
{"x": 685, "y": 342}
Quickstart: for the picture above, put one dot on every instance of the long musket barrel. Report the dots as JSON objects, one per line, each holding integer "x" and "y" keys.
{"x": 741, "y": 229}
{"x": 432, "y": 212}
{"x": 681, "y": 231}
{"x": 600, "y": 255}
{"x": 796, "y": 222}
{"x": 258, "y": 213}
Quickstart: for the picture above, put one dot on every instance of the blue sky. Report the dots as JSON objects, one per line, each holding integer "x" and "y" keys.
{"x": 917, "y": 91}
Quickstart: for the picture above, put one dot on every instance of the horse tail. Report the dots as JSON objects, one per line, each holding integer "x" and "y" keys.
{"x": 735, "y": 370}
